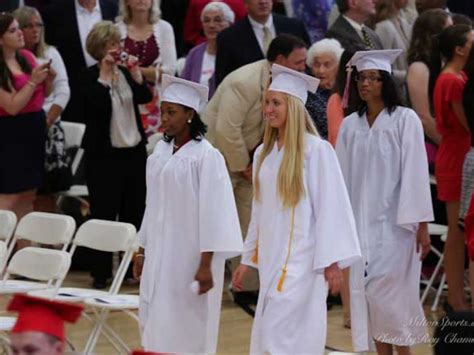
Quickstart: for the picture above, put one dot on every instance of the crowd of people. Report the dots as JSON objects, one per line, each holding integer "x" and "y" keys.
{"x": 297, "y": 139}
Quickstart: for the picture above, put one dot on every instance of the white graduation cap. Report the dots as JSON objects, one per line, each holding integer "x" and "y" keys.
{"x": 184, "y": 92}
{"x": 292, "y": 82}
{"x": 376, "y": 59}
{"x": 369, "y": 60}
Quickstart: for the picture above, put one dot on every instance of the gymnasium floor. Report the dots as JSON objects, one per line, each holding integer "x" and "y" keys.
{"x": 235, "y": 326}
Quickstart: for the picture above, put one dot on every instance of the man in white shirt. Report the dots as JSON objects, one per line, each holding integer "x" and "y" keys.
{"x": 350, "y": 29}
{"x": 67, "y": 24}
{"x": 247, "y": 40}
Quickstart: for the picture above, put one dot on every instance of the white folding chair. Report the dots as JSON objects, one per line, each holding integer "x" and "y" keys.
{"x": 441, "y": 231}
{"x": 73, "y": 136}
{"x": 105, "y": 236}
{"x": 7, "y": 226}
{"x": 44, "y": 229}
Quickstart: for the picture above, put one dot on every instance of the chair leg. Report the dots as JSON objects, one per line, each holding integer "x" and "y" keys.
{"x": 92, "y": 341}
{"x": 432, "y": 279}
{"x": 438, "y": 294}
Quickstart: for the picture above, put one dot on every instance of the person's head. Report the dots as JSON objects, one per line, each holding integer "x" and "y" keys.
{"x": 427, "y": 26}
{"x": 31, "y": 24}
{"x": 11, "y": 36}
{"x": 425, "y": 5}
{"x": 129, "y": 8}
{"x": 289, "y": 51}
{"x": 103, "y": 37}
{"x": 461, "y": 19}
{"x": 455, "y": 43}
{"x": 259, "y": 10}
{"x": 284, "y": 111}
{"x": 359, "y": 10}
{"x": 323, "y": 60}
{"x": 181, "y": 102}
{"x": 35, "y": 343}
{"x": 454, "y": 334}
{"x": 386, "y": 9}
{"x": 215, "y": 17}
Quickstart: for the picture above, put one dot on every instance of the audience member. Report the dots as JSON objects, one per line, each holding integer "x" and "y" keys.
{"x": 425, "y": 5}
{"x": 248, "y": 40}
{"x": 151, "y": 40}
{"x": 194, "y": 32}
{"x": 235, "y": 122}
{"x": 323, "y": 61}
{"x": 201, "y": 60}
{"x": 67, "y": 23}
{"x": 350, "y": 29}
{"x": 423, "y": 71}
{"x": 461, "y": 19}
{"x": 23, "y": 87}
{"x": 314, "y": 14}
{"x": 114, "y": 141}
{"x": 39, "y": 328}
{"x": 455, "y": 44}
{"x": 58, "y": 171}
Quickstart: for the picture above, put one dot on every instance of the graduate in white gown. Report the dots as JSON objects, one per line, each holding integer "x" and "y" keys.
{"x": 383, "y": 159}
{"x": 302, "y": 230}
{"x": 189, "y": 228}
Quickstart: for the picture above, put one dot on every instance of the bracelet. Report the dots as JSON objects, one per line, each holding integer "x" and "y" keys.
{"x": 141, "y": 255}
{"x": 31, "y": 83}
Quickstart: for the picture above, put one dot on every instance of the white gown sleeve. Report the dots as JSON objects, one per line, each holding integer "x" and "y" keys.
{"x": 142, "y": 232}
{"x": 251, "y": 240}
{"x": 336, "y": 233}
{"x": 414, "y": 205}
{"x": 343, "y": 155}
{"x": 219, "y": 228}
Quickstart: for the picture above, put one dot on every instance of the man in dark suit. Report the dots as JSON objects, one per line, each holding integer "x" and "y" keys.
{"x": 12, "y": 5}
{"x": 67, "y": 26}
{"x": 350, "y": 30}
{"x": 247, "y": 41}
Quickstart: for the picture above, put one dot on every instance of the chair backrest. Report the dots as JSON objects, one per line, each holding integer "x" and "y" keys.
{"x": 73, "y": 137}
{"x": 73, "y": 133}
{"x": 105, "y": 235}
{"x": 7, "y": 224}
{"x": 40, "y": 263}
{"x": 46, "y": 228}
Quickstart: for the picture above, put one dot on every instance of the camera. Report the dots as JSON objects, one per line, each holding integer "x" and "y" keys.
{"x": 121, "y": 57}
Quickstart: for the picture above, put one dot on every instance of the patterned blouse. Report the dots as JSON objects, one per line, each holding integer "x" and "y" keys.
{"x": 316, "y": 106}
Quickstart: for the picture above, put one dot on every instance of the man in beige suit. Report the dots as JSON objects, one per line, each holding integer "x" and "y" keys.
{"x": 235, "y": 121}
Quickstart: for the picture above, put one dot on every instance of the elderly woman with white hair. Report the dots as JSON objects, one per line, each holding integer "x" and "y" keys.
{"x": 201, "y": 60}
{"x": 149, "y": 38}
{"x": 323, "y": 61}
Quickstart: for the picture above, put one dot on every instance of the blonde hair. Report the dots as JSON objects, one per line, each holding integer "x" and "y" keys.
{"x": 126, "y": 13}
{"x": 290, "y": 182}
{"x": 102, "y": 33}
{"x": 23, "y": 15}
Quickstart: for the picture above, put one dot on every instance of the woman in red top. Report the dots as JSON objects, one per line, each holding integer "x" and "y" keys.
{"x": 455, "y": 44}
{"x": 23, "y": 86}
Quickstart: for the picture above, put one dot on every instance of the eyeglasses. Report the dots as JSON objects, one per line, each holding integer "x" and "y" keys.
{"x": 370, "y": 79}
{"x": 31, "y": 26}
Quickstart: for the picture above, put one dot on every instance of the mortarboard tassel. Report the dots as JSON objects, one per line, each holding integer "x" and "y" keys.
{"x": 281, "y": 281}
{"x": 345, "y": 97}
{"x": 255, "y": 255}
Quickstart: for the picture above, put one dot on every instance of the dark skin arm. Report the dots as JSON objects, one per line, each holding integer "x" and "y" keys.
{"x": 204, "y": 273}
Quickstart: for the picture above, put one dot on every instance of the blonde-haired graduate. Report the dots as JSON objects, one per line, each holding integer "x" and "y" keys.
{"x": 302, "y": 230}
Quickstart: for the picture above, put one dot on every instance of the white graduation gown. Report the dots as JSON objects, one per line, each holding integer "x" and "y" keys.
{"x": 294, "y": 321}
{"x": 386, "y": 172}
{"x": 190, "y": 209}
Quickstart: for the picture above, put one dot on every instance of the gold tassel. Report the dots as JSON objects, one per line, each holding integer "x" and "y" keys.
{"x": 282, "y": 280}
{"x": 255, "y": 256}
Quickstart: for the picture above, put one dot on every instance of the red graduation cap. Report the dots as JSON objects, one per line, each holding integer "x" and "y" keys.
{"x": 43, "y": 315}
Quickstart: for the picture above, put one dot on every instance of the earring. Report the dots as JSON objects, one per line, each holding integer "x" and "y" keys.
{"x": 189, "y": 121}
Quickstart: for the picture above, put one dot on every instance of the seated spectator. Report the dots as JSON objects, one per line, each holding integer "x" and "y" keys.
{"x": 201, "y": 60}
{"x": 395, "y": 32}
{"x": 425, "y": 5}
{"x": 193, "y": 28}
{"x": 151, "y": 40}
{"x": 350, "y": 29}
{"x": 247, "y": 41}
{"x": 323, "y": 61}
{"x": 461, "y": 19}
{"x": 422, "y": 74}
{"x": 314, "y": 14}
{"x": 39, "y": 328}
{"x": 114, "y": 141}
{"x": 58, "y": 172}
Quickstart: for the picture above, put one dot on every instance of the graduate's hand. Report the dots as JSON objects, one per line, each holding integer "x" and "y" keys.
{"x": 238, "y": 277}
{"x": 204, "y": 277}
{"x": 423, "y": 240}
{"x": 138, "y": 267}
{"x": 247, "y": 173}
{"x": 333, "y": 276}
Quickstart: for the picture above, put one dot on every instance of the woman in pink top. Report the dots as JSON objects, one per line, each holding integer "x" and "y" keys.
{"x": 23, "y": 85}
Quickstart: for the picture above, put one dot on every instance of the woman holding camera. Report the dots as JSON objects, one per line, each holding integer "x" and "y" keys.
{"x": 114, "y": 141}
